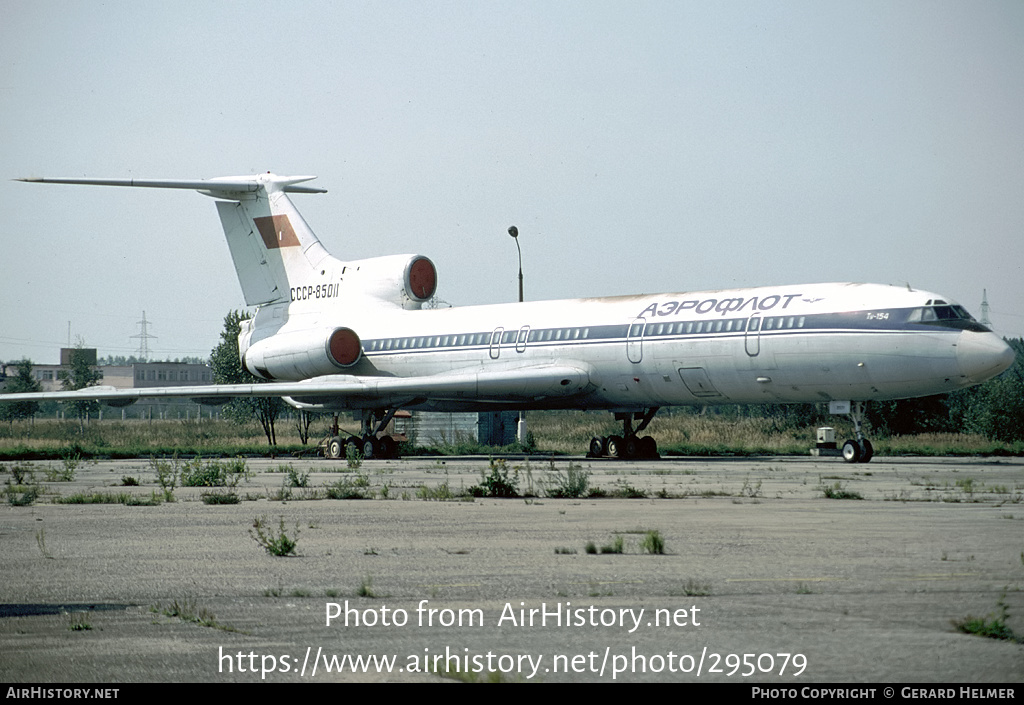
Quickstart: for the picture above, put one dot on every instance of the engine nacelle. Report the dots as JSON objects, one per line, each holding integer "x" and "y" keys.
{"x": 405, "y": 280}
{"x": 299, "y": 355}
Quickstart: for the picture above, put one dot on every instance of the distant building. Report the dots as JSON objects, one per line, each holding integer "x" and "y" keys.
{"x": 131, "y": 376}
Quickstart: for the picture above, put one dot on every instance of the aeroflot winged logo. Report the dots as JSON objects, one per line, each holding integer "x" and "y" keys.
{"x": 276, "y": 231}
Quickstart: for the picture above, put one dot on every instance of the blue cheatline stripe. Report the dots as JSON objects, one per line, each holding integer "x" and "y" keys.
{"x": 878, "y": 321}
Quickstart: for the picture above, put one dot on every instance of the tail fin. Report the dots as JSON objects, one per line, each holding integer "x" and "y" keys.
{"x": 274, "y": 251}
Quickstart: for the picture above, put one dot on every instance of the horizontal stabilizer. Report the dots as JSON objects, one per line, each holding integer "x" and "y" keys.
{"x": 224, "y": 185}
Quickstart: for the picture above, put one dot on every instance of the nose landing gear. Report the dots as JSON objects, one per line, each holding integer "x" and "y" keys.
{"x": 858, "y": 450}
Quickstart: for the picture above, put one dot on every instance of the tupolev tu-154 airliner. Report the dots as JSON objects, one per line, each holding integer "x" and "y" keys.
{"x": 330, "y": 335}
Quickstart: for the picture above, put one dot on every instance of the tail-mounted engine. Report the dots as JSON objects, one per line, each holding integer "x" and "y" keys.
{"x": 300, "y": 355}
{"x": 405, "y": 280}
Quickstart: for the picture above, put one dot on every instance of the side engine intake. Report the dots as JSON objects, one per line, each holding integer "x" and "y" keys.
{"x": 303, "y": 354}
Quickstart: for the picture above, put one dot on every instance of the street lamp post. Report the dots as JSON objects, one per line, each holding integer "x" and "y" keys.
{"x": 521, "y": 426}
{"x": 514, "y": 232}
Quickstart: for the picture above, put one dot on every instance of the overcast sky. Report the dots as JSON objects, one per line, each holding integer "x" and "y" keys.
{"x": 639, "y": 147}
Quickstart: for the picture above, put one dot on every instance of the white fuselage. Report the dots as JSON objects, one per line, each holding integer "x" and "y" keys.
{"x": 810, "y": 343}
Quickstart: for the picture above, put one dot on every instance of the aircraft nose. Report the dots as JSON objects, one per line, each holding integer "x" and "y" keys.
{"x": 982, "y": 355}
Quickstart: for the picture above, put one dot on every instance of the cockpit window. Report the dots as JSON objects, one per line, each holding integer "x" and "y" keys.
{"x": 939, "y": 313}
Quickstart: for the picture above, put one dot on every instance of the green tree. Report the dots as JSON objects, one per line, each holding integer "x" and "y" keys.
{"x": 21, "y": 383}
{"x": 79, "y": 375}
{"x": 228, "y": 369}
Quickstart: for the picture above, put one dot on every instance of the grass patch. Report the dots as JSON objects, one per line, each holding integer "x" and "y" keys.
{"x": 618, "y": 545}
{"x": 624, "y": 490}
{"x": 838, "y": 491}
{"x": 440, "y": 493}
{"x": 96, "y": 498}
{"x": 653, "y": 543}
{"x": 349, "y": 488}
{"x": 220, "y": 498}
{"x": 213, "y": 473}
{"x": 21, "y": 495}
{"x": 188, "y": 611}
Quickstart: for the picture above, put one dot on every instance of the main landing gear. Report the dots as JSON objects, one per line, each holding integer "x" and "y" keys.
{"x": 859, "y": 450}
{"x": 368, "y": 444}
{"x": 629, "y": 445}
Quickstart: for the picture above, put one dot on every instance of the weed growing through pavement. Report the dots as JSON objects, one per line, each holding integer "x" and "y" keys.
{"x": 214, "y": 473}
{"x": 353, "y": 458}
{"x": 992, "y": 626}
{"x": 365, "y": 588}
{"x": 276, "y": 543}
{"x": 497, "y": 481}
{"x": 696, "y": 588}
{"x": 78, "y": 622}
{"x": 571, "y": 484}
{"x": 296, "y": 478}
{"x": 625, "y": 490}
{"x": 749, "y": 489}
{"x": 350, "y": 488}
{"x": 167, "y": 474}
{"x": 21, "y": 495}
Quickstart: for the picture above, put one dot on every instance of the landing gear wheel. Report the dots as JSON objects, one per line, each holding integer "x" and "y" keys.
{"x": 335, "y": 448}
{"x": 596, "y": 447}
{"x": 371, "y": 448}
{"x": 630, "y": 447}
{"x": 614, "y": 447}
{"x": 388, "y": 447}
{"x": 648, "y": 447}
{"x": 851, "y": 451}
{"x": 867, "y": 451}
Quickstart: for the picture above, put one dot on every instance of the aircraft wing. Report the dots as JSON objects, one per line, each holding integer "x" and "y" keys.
{"x": 472, "y": 384}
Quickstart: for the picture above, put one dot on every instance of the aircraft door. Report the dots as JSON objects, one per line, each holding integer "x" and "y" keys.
{"x": 495, "y": 351}
{"x": 635, "y": 341}
{"x": 524, "y": 333}
{"x": 752, "y": 339}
